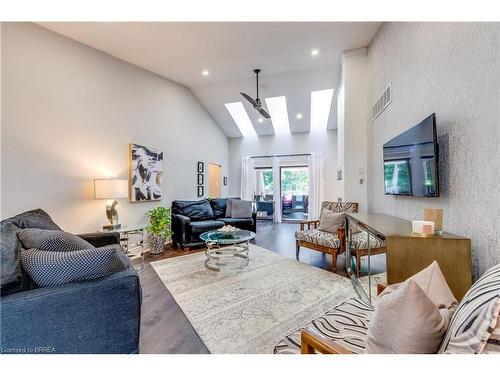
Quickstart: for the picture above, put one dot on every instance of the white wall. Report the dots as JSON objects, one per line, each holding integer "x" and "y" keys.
{"x": 352, "y": 114}
{"x": 452, "y": 69}
{"x": 69, "y": 112}
{"x": 297, "y": 143}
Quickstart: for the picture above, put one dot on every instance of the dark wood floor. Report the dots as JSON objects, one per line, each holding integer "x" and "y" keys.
{"x": 164, "y": 327}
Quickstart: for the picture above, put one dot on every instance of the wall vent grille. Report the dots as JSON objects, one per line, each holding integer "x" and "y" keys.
{"x": 382, "y": 102}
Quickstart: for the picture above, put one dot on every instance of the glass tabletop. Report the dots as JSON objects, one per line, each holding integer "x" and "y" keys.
{"x": 225, "y": 238}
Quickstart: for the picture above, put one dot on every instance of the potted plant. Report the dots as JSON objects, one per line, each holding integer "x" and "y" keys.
{"x": 158, "y": 228}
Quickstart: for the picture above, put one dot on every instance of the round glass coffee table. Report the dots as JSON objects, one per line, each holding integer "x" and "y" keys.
{"x": 227, "y": 250}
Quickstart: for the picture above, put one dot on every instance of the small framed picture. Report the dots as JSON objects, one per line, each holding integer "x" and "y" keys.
{"x": 200, "y": 179}
{"x": 225, "y": 181}
{"x": 201, "y": 167}
{"x": 200, "y": 191}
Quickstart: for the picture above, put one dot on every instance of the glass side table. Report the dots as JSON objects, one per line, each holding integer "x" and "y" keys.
{"x": 132, "y": 242}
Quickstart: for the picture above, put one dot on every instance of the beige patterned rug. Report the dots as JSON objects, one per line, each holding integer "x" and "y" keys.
{"x": 252, "y": 309}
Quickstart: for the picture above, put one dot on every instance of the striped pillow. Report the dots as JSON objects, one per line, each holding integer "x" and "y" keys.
{"x": 475, "y": 326}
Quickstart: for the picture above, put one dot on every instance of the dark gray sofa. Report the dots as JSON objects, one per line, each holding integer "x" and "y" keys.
{"x": 96, "y": 316}
{"x": 192, "y": 218}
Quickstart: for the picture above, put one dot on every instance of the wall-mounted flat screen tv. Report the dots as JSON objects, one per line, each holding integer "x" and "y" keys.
{"x": 411, "y": 161}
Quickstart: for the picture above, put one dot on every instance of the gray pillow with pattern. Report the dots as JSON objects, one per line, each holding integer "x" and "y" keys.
{"x": 51, "y": 240}
{"x": 49, "y": 268}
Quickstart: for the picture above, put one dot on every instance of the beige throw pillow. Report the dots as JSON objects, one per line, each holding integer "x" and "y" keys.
{"x": 406, "y": 322}
{"x": 433, "y": 286}
{"x": 330, "y": 221}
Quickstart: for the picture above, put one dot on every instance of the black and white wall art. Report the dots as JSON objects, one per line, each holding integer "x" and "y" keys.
{"x": 146, "y": 173}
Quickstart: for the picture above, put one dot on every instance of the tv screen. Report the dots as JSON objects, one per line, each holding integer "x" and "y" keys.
{"x": 411, "y": 161}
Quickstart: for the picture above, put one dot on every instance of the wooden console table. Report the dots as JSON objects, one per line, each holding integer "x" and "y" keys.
{"x": 407, "y": 254}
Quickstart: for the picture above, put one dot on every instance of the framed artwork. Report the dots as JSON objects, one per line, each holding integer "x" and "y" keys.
{"x": 200, "y": 179}
{"x": 225, "y": 181}
{"x": 145, "y": 173}
{"x": 201, "y": 167}
{"x": 200, "y": 191}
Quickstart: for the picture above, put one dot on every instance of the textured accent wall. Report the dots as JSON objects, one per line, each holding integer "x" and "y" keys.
{"x": 452, "y": 69}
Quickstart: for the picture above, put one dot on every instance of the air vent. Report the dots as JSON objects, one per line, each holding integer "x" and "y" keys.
{"x": 382, "y": 102}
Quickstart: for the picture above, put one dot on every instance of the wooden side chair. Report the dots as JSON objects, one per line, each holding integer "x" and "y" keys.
{"x": 311, "y": 237}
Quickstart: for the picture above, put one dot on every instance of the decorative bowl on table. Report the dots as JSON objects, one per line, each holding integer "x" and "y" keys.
{"x": 228, "y": 229}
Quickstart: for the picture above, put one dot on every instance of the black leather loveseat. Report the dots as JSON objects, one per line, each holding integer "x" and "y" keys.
{"x": 192, "y": 218}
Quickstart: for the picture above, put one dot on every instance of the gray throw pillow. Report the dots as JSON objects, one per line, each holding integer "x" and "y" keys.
{"x": 49, "y": 268}
{"x": 330, "y": 221}
{"x": 52, "y": 240}
{"x": 241, "y": 209}
{"x": 10, "y": 274}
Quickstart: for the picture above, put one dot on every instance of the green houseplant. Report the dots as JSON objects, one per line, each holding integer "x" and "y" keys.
{"x": 158, "y": 228}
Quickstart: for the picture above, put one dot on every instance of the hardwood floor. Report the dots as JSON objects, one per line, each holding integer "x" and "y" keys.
{"x": 164, "y": 327}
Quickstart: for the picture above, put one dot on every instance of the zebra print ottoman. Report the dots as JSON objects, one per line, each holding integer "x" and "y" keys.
{"x": 346, "y": 324}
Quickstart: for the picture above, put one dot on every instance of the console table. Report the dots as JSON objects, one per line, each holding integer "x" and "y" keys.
{"x": 407, "y": 254}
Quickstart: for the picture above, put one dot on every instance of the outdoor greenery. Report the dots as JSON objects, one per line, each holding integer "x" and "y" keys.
{"x": 294, "y": 181}
{"x": 159, "y": 222}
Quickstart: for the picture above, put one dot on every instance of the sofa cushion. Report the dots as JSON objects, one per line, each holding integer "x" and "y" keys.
{"x": 218, "y": 207}
{"x": 34, "y": 219}
{"x": 195, "y": 210}
{"x": 346, "y": 324}
{"x": 235, "y": 222}
{"x": 49, "y": 268}
{"x": 406, "y": 321}
{"x": 52, "y": 240}
{"x": 318, "y": 237}
{"x": 229, "y": 206}
{"x": 476, "y": 320}
{"x": 205, "y": 225}
{"x": 13, "y": 279}
{"x": 360, "y": 241}
{"x": 241, "y": 209}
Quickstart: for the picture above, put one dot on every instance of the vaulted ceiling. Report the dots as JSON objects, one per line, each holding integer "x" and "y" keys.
{"x": 229, "y": 52}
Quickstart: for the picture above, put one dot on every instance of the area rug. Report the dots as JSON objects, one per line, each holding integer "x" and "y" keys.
{"x": 250, "y": 310}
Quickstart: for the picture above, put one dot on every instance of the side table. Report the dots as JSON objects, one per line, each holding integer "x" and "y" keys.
{"x": 134, "y": 250}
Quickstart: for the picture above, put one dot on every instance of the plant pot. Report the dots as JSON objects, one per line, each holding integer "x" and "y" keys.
{"x": 157, "y": 244}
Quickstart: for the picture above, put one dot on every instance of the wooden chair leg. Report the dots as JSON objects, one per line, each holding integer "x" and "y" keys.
{"x": 334, "y": 261}
{"x": 297, "y": 244}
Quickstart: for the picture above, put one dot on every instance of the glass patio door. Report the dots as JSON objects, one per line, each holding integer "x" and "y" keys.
{"x": 294, "y": 192}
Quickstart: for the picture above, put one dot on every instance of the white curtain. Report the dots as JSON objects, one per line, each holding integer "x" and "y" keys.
{"x": 247, "y": 178}
{"x": 316, "y": 184}
{"x": 277, "y": 190}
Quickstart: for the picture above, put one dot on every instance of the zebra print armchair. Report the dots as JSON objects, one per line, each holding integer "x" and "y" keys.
{"x": 311, "y": 237}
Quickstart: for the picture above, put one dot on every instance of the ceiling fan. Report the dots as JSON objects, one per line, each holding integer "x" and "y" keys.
{"x": 256, "y": 102}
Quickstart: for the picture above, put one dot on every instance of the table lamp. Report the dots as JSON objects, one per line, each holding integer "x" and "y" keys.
{"x": 111, "y": 189}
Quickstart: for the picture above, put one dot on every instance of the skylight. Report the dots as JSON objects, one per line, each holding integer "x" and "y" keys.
{"x": 240, "y": 117}
{"x": 279, "y": 114}
{"x": 321, "y": 101}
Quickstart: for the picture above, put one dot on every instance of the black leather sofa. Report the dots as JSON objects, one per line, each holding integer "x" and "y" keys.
{"x": 192, "y": 218}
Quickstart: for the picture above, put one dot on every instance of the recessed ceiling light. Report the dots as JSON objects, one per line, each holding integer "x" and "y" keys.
{"x": 279, "y": 114}
{"x": 260, "y": 119}
{"x": 205, "y": 72}
{"x": 299, "y": 116}
{"x": 240, "y": 117}
{"x": 314, "y": 52}
{"x": 321, "y": 102}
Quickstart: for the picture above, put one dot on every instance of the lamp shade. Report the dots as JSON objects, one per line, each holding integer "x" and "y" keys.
{"x": 110, "y": 189}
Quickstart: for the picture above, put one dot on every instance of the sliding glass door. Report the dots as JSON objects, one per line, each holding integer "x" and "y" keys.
{"x": 294, "y": 192}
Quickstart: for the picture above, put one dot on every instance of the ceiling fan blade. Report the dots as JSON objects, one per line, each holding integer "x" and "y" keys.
{"x": 250, "y": 99}
{"x": 263, "y": 113}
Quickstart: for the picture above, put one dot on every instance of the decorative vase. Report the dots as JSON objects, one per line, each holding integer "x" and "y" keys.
{"x": 157, "y": 243}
